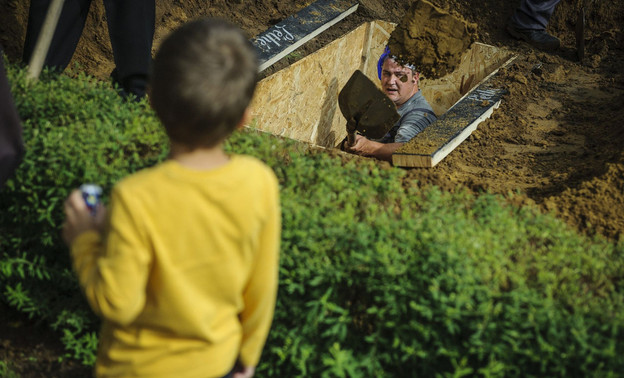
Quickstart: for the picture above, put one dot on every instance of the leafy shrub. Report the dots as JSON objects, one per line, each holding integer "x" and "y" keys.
{"x": 75, "y": 131}
{"x": 375, "y": 279}
{"x": 445, "y": 286}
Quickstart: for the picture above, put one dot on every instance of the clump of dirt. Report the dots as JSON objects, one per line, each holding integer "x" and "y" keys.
{"x": 431, "y": 39}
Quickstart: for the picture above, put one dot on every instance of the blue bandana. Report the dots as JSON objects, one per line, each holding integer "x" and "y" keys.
{"x": 383, "y": 57}
{"x": 381, "y": 60}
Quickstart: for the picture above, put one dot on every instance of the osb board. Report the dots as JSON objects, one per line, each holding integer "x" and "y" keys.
{"x": 378, "y": 35}
{"x": 433, "y": 144}
{"x": 477, "y": 62}
{"x": 301, "y": 101}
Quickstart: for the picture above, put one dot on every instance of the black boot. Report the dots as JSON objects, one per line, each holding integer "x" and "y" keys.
{"x": 536, "y": 38}
{"x": 133, "y": 86}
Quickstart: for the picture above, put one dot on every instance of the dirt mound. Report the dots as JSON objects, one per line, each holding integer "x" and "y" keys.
{"x": 432, "y": 39}
{"x": 554, "y": 141}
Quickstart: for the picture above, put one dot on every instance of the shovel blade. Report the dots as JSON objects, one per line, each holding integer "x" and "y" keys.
{"x": 362, "y": 102}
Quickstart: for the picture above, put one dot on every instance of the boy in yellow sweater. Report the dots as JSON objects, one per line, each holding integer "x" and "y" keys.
{"x": 183, "y": 268}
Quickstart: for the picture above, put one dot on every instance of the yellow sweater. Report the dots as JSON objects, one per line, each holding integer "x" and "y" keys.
{"x": 185, "y": 279}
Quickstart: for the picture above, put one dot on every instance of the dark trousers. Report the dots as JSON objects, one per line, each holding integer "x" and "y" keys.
{"x": 533, "y": 14}
{"x": 11, "y": 144}
{"x": 130, "y": 25}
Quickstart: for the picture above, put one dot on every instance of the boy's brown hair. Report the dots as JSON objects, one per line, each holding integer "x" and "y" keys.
{"x": 203, "y": 78}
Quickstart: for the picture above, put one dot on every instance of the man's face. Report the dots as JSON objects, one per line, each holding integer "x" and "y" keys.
{"x": 398, "y": 82}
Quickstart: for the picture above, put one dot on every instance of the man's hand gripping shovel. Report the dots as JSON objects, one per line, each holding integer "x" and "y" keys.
{"x": 366, "y": 108}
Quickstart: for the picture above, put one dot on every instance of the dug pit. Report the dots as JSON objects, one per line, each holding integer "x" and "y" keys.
{"x": 301, "y": 101}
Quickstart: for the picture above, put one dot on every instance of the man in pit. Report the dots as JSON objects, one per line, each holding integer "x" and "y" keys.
{"x": 400, "y": 83}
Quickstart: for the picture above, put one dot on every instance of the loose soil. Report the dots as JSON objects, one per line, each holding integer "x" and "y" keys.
{"x": 431, "y": 39}
{"x": 556, "y": 141}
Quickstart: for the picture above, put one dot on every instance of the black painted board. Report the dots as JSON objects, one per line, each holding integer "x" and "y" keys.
{"x": 288, "y": 35}
{"x": 450, "y": 129}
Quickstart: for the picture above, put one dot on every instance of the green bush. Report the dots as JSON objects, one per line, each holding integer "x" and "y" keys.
{"x": 75, "y": 131}
{"x": 375, "y": 279}
{"x": 447, "y": 285}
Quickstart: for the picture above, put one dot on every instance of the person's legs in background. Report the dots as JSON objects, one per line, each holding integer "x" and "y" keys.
{"x": 131, "y": 28}
{"x": 66, "y": 35}
{"x": 529, "y": 23}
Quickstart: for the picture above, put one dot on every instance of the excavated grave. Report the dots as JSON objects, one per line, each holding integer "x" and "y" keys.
{"x": 301, "y": 101}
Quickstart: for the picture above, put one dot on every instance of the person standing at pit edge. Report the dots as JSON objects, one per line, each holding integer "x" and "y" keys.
{"x": 130, "y": 27}
{"x": 400, "y": 84}
{"x": 529, "y": 23}
{"x": 184, "y": 271}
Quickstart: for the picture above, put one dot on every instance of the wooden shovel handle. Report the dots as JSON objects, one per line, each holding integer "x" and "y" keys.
{"x": 44, "y": 39}
{"x": 351, "y": 139}
{"x": 351, "y": 127}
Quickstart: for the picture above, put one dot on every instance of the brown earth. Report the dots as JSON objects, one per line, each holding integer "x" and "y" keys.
{"x": 556, "y": 140}
{"x": 431, "y": 39}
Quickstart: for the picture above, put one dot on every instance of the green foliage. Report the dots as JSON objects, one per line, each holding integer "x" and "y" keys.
{"x": 426, "y": 283}
{"x": 6, "y": 371}
{"x": 375, "y": 279}
{"x": 75, "y": 131}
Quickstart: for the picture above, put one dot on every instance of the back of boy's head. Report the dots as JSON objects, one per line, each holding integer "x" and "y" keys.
{"x": 202, "y": 81}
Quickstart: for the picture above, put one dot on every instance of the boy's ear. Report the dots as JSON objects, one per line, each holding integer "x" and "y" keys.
{"x": 245, "y": 119}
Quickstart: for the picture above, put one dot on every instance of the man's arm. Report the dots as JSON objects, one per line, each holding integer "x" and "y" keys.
{"x": 366, "y": 147}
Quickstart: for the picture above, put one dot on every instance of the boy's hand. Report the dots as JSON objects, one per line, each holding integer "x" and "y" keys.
{"x": 78, "y": 217}
{"x": 241, "y": 371}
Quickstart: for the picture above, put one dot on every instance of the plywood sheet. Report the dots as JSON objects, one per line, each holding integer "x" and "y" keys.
{"x": 378, "y": 35}
{"x": 301, "y": 101}
{"x": 477, "y": 62}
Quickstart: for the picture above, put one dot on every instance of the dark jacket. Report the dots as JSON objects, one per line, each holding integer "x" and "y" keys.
{"x": 11, "y": 143}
